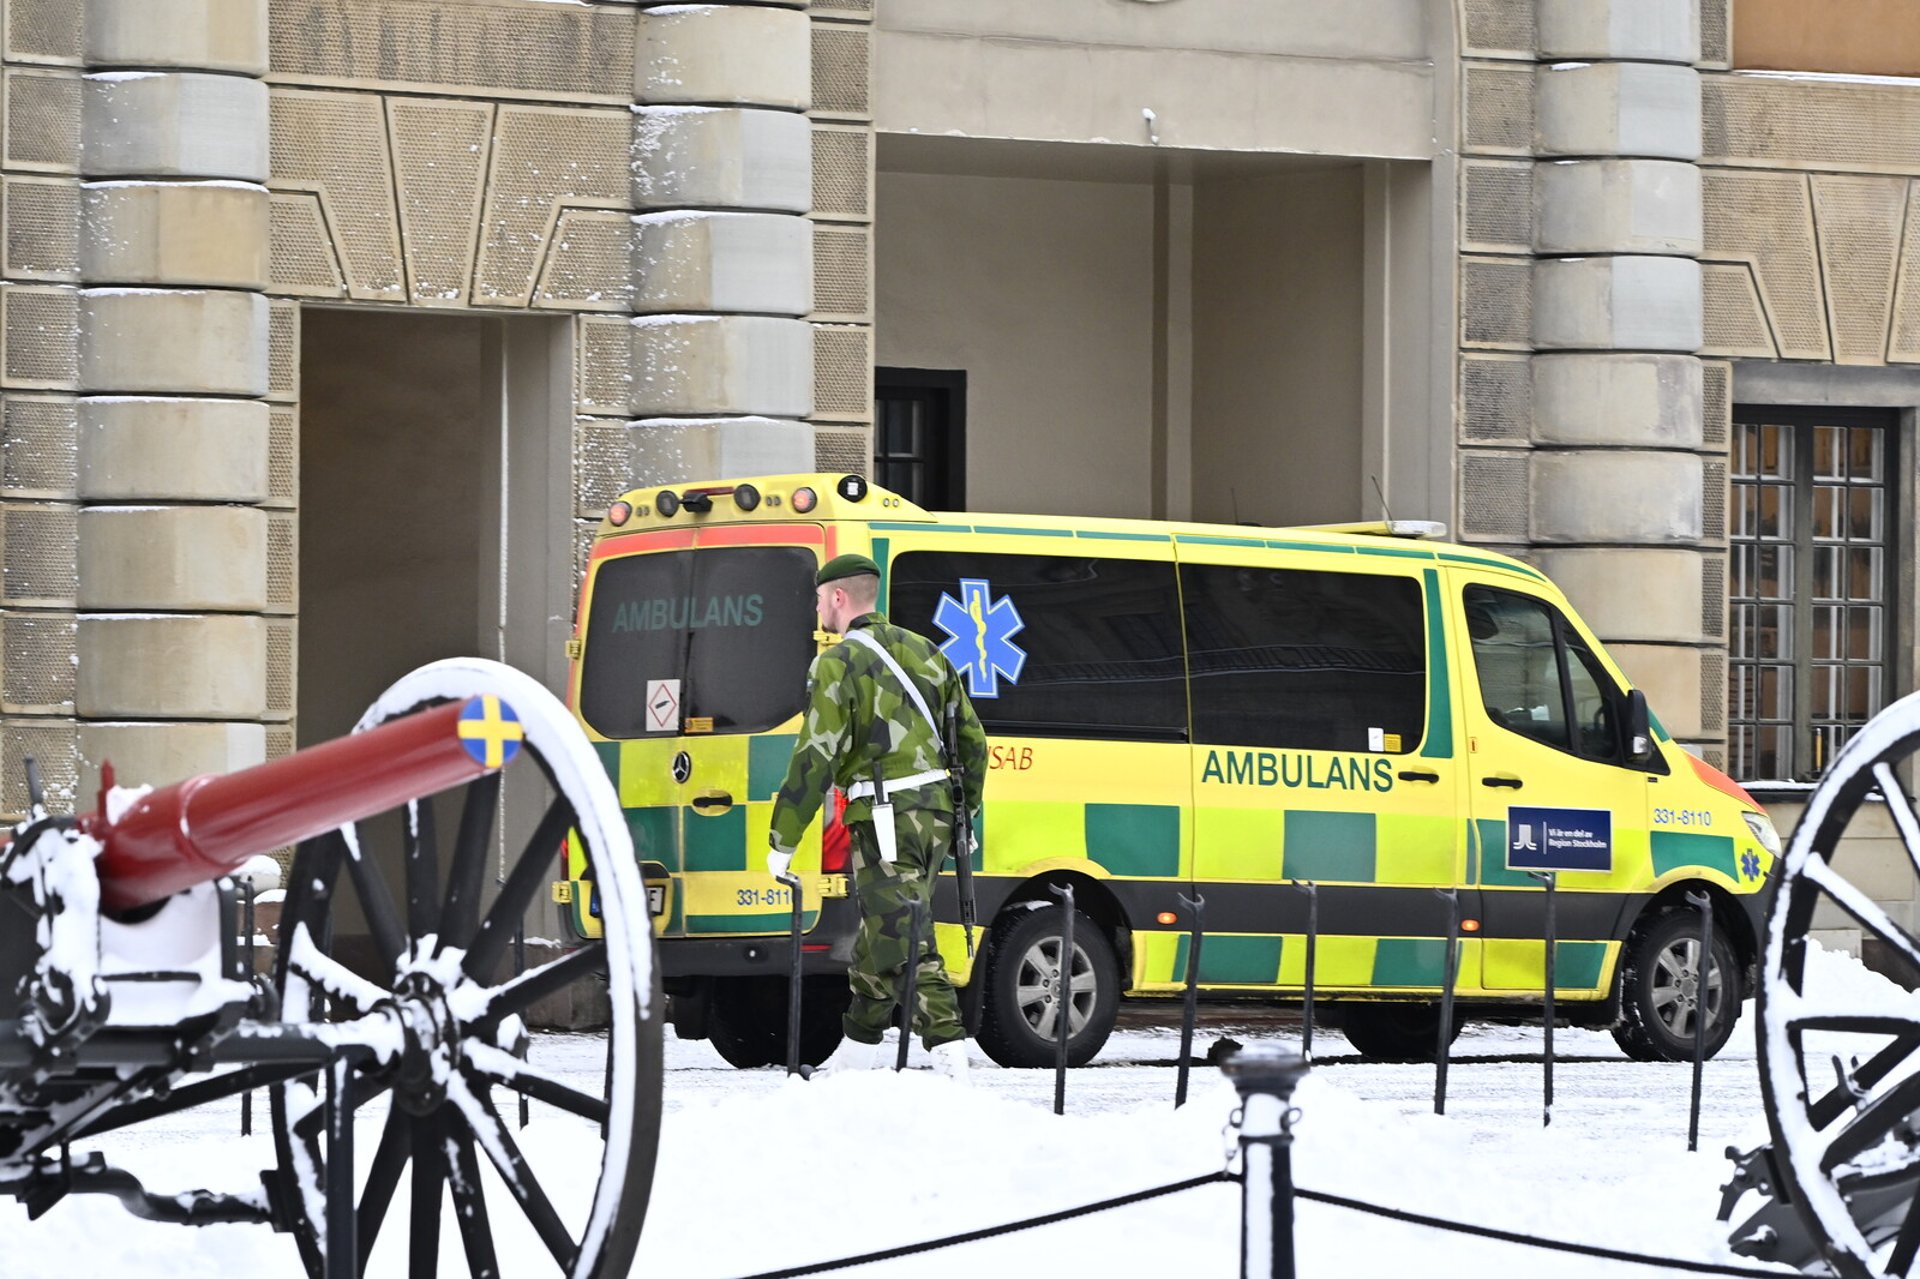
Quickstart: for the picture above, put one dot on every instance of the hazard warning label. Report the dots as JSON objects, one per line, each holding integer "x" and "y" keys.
{"x": 663, "y": 705}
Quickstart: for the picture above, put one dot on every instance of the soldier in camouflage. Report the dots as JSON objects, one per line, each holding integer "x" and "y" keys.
{"x": 861, "y": 722}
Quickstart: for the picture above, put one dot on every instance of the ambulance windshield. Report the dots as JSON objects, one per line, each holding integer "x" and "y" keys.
{"x": 714, "y": 640}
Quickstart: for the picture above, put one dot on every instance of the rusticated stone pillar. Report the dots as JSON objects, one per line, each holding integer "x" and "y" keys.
{"x": 173, "y": 432}
{"x": 1619, "y": 478}
{"x": 722, "y": 356}
{"x": 39, "y": 512}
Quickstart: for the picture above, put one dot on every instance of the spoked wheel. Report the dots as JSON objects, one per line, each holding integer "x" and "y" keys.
{"x": 1839, "y": 1055}
{"x": 430, "y": 1065}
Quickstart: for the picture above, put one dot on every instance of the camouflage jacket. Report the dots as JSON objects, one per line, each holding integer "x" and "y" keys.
{"x": 850, "y": 694}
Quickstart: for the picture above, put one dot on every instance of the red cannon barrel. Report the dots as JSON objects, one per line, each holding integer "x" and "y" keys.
{"x": 205, "y": 827}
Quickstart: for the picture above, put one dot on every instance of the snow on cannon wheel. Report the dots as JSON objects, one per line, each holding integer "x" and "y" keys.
{"x": 1839, "y": 1056}
{"x": 432, "y": 1109}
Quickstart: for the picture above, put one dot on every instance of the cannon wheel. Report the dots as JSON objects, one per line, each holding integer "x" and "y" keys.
{"x": 1840, "y": 1073}
{"x": 435, "y": 1103}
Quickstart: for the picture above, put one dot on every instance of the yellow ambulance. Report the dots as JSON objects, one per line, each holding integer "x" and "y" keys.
{"x": 1176, "y": 711}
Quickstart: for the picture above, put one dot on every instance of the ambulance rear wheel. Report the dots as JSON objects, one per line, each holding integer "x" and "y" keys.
{"x": 747, "y": 1019}
{"x": 1025, "y": 995}
{"x": 1661, "y": 992}
{"x": 1395, "y": 1032}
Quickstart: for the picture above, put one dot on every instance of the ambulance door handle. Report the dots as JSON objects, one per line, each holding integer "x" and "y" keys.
{"x": 712, "y": 802}
{"x": 1501, "y": 780}
{"x": 1419, "y": 777}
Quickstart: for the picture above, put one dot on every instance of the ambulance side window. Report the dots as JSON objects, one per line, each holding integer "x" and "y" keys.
{"x": 1305, "y": 659}
{"x": 1052, "y": 645}
{"x": 1518, "y": 664}
{"x": 1539, "y": 678}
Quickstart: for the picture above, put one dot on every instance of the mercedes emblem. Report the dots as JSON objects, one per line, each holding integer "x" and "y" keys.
{"x": 682, "y": 767}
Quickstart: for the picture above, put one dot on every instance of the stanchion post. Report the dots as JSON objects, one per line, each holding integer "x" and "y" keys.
{"x": 1702, "y": 971}
{"x": 526, "y": 1045}
{"x": 910, "y": 985}
{"x": 1449, "y": 970}
{"x": 1265, "y": 1076}
{"x": 795, "y": 907}
{"x": 1190, "y": 1003}
{"x": 1063, "y": 982}
{"x": 1312, "y": 891}
{"x": 246, "y": 1098}
{"x": 1549, "y": 880}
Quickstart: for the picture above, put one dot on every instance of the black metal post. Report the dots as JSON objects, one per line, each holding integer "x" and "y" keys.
{"x": 1702, "y": 970}
{"x": 1549, "y": 879}
{"x": 1312, "y": 891}
{"x": 246, "y": 1098}
{"x": 1449, "y": 969}
{"x": 1265, "y": 1076}
{"x": 1190, "y": 1004}
{"x": 910, "y": 985}
{"x": 1063, "y": 1021}
{"x": 520, "y": 966}
{"x": 343, "y": 1248}
{"x": 606, "y": 1085}
{"x": 792, "y": 881}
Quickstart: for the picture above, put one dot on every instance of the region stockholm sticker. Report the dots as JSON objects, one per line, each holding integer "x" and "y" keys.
{"x": 1559, "y": 839}
{"x": 981, "y": 630}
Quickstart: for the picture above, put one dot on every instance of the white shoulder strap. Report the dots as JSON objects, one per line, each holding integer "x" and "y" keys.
{"x": 867, "y": 641}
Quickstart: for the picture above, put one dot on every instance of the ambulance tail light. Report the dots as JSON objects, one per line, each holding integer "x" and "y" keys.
{"x": 619, "y": 513}
{"x": 836, "y": 842}
{"x": 803, "y": 501}
{"x": 746, "y": 497}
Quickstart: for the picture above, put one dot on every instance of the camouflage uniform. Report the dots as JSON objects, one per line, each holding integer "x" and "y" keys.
{"x": 858, "y": 717}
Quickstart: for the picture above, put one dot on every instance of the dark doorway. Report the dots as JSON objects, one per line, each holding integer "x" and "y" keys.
{"x": 919, "y": 445}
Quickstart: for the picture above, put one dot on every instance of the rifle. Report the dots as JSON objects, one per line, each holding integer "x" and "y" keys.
{"x": 962, "y": 826}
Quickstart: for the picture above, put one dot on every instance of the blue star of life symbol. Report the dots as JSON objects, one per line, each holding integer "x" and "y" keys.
{"x": 1750, "y": 865}
{"x": 981, "y": 631}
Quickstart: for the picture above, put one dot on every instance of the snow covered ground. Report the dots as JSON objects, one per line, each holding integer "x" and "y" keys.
{"x": 758, "y": 1172}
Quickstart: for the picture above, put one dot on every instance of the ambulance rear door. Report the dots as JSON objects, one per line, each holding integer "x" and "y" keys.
{"x": 1324, "y": 752}
{"x": 695, "y": 667}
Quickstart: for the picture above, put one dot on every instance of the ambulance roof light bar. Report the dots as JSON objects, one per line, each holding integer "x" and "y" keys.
{"x": 1423, "y": 530}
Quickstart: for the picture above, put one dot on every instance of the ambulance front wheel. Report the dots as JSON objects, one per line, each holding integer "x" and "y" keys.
{"x": 1026, "y": 993}
{"x": 1662, "y": 992}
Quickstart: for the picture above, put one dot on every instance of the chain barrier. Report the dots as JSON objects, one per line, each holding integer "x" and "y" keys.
{"x": 1534, "y": 1241}
{"x": 1265, "y": 1078}
{"x": 970, "y": 1236}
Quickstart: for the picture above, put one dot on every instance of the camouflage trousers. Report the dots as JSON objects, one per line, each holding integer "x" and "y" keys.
{"x": 885, "y": 892}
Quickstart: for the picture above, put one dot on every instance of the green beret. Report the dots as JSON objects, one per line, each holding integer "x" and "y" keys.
{"x": 845, "y": 566}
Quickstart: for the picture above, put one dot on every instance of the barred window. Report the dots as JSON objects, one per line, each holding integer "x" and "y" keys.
{"x": 1810, "y": 586}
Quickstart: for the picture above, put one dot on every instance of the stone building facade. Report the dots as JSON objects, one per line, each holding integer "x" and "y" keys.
{"x": 329, "y": 327}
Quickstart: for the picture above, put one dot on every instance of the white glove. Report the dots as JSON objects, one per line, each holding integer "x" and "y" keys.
{"x": 778, "y": 861}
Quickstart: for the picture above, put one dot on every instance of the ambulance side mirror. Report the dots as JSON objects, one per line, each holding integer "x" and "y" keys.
{"x": 1639, "y": 728}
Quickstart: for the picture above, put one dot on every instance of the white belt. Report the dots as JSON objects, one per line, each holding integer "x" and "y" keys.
{"x": 864, "y": 790}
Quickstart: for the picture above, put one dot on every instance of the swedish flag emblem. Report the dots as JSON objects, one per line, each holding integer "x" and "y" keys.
{"x": 490, "y": 731}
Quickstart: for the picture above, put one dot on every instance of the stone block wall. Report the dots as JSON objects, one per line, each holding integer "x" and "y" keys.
{"x": 692, "y": 183}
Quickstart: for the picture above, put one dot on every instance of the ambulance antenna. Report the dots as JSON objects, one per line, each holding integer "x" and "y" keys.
{"x": 1385, "y": 512}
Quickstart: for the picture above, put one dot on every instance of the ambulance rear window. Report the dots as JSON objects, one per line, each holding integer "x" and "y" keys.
{"x": 722, "y": 633}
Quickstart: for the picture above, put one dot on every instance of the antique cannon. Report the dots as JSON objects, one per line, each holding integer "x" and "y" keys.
{"x": 1837, "y": 1189}
{"x": 127, "y": 996}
